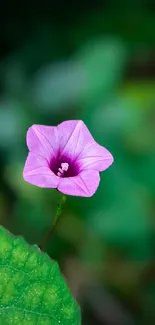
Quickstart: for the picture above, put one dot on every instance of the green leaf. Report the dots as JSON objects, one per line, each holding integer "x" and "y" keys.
{"x": 32, "y": 290}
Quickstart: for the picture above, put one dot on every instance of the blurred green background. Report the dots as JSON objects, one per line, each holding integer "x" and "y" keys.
{"x": 94, "y": 62}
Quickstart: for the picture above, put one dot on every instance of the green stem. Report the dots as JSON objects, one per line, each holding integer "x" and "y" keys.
{"x": 58, "y": 213}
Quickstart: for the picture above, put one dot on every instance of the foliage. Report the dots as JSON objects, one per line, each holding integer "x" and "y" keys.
{"x": 32, "y": 290}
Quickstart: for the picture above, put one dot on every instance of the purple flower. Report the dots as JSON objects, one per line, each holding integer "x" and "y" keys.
{"x": 65, "y": 157}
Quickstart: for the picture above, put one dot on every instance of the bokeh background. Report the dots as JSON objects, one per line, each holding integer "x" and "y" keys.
{"x": 95, "y": 62}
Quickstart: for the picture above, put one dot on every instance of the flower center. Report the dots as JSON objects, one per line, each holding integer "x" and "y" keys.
{"x": 63, "y": 169}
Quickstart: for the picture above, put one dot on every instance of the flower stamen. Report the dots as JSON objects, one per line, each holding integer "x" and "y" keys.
{"x": 63, "y": 169}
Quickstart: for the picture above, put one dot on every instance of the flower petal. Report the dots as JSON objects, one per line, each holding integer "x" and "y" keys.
{"x": 85, "y": 184}
{"x": 43, "y": 140}
{"x": 73, "y": 137}
{"x": 95, "y": 157}
{"x": 37, "y": 172}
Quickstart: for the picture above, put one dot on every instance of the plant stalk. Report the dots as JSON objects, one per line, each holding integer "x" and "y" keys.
{"x": 56, "y": 219}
